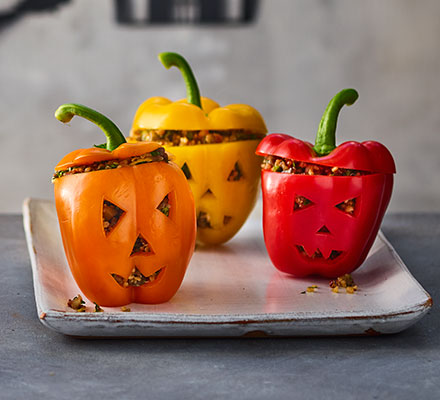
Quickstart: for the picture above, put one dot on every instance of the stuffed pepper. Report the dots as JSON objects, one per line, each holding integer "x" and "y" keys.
{"x": 322, "y": 204}
{"x": 215, "y": 148}
{"x": 126, "y": 215}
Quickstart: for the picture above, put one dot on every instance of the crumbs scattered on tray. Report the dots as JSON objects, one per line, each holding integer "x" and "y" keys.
{"x": 345, "y": 281}
{"x": 310, "y": 289}
{"x": 77, "y": 304}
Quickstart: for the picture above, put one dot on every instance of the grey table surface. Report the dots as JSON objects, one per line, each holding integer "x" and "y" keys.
{"x": 36, "y": 362}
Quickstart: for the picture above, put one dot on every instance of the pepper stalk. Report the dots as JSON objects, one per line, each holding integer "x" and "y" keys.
{"x": 169, "y": 60}
{"x": 325, "y": 141}
{"x": 115, "y": 138}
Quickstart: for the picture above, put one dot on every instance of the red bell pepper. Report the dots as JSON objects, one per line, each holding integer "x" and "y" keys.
{"x": 322, "y": 213}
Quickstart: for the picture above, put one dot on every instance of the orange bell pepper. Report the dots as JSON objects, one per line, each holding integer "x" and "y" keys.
{"x": 126, "y": 217}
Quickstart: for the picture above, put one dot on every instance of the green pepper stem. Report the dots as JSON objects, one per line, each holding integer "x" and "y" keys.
{"x": 114, "y": 136}
{"x": 192, "y": 89}
{"x": 326, "y": 137}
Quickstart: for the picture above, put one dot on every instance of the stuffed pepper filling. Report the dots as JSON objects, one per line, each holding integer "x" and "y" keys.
{"x": 136, "y": 278}
{"x": 111, "y": 214}
{"x": 190, "y": 138}
{"x": 154, "y": 156}
{"x": 288, "y": 166}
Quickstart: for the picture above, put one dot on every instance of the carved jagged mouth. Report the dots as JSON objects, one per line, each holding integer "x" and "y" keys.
{"x": 317, "y": 255}
{"x": 204, "y": 220}
{"x": 136, "y": 278}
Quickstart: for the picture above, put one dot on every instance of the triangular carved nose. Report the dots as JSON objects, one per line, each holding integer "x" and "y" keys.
{"x": 141, "y": 247}
{"x": 324, "y": 229}
{"x": 208, "y": 193}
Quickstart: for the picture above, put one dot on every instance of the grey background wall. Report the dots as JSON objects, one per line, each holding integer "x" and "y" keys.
{"x": 288, "y": 65}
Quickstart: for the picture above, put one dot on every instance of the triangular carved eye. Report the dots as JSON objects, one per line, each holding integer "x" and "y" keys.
{"x": 347, "y": 206}
{"x": 141, "y": 246}
{"x": 301, "y": 202}
{"x": 165, "y": 206}
{"x": 226, "y": 219}
{"x": 186, "y": 171}
{"x": 111, "y": 214}
{"x": 235, "y": 174}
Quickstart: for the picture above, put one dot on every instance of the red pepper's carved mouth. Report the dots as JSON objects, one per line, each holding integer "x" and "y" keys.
{"x": 137, "y": 278}
{"x": 317, "y": 255}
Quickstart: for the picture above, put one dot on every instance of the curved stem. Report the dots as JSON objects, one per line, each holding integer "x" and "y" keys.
{"x": 114, "y": 136}
{"x": 192, "y": 89}
{"x": 326, "y": 137}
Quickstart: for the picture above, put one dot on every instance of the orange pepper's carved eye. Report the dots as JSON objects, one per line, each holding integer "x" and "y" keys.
{"x": 347, "y": 206}
{"x": 301, "y": 203}
{"x": 165, "y": 206}
{"x": 235, "y": 174}
{"x": 141, "y": 247}
{"x": 111, "y": 214}
{"x": 186, "y": 171}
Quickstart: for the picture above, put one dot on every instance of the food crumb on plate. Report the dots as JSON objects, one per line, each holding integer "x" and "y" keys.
{"x": 77, "y": 304}
{"x": 345, "y": 281}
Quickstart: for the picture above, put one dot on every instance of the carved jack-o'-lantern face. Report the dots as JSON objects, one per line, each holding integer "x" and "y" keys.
{"x": 130, "y": 231}
{"x": 321, "y": 224}
{"x": 224, "y": 179}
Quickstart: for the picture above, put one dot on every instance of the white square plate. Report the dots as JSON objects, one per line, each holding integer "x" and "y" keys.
{"x": 230, "y": 290}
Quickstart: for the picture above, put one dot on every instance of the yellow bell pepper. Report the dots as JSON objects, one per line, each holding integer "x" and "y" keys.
{"x": 215, "y": 147}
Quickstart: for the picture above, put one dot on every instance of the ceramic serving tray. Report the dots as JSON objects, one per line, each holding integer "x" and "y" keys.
{"x": 230, "y": 290}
